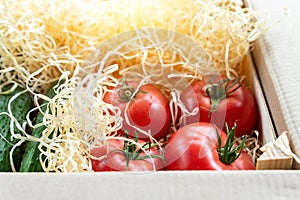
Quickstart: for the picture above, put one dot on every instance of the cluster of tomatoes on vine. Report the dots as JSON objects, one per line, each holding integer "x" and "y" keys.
{"x": 216, "y": 112}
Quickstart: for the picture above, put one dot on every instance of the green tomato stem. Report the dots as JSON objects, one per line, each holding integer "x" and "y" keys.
{"x": 219, "y": 91}
{"x": 131, "y": 152}
{"x": 228, "y": 153}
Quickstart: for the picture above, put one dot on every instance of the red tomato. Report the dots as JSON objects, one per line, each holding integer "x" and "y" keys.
{"x": 217, "y": 106}
{"x": 115, "y": 158}
{"x": 195, "y": 147}
{"x": 148, "y": 110}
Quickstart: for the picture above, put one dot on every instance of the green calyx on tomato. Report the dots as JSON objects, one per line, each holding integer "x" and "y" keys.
{"x": 228, "y": 153}
{"x": 219, "y": 91}
{"x": 131, "y": 151}
{"x": 126, "y": 92}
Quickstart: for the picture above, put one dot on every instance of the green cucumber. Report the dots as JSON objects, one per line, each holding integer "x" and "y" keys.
{"x": 19, "y": 108}
{"x": 31, "y": 158}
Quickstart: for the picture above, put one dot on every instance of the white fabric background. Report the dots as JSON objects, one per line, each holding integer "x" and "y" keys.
{"x": 282, "y": 42}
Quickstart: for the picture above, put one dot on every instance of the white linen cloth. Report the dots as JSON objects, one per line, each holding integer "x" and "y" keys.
{"x": 282, "y": 45}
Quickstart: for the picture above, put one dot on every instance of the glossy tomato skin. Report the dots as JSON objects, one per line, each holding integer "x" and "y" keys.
{"x": 148, "y": 110}
{"x": 194, "y": 147}
{"x": 115, "y": 160}
{"x": 239, "y": 106}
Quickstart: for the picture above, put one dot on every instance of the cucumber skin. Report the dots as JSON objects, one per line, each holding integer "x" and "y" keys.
{"x": 19, "y": 107}
{"x": 31, "y": 160}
